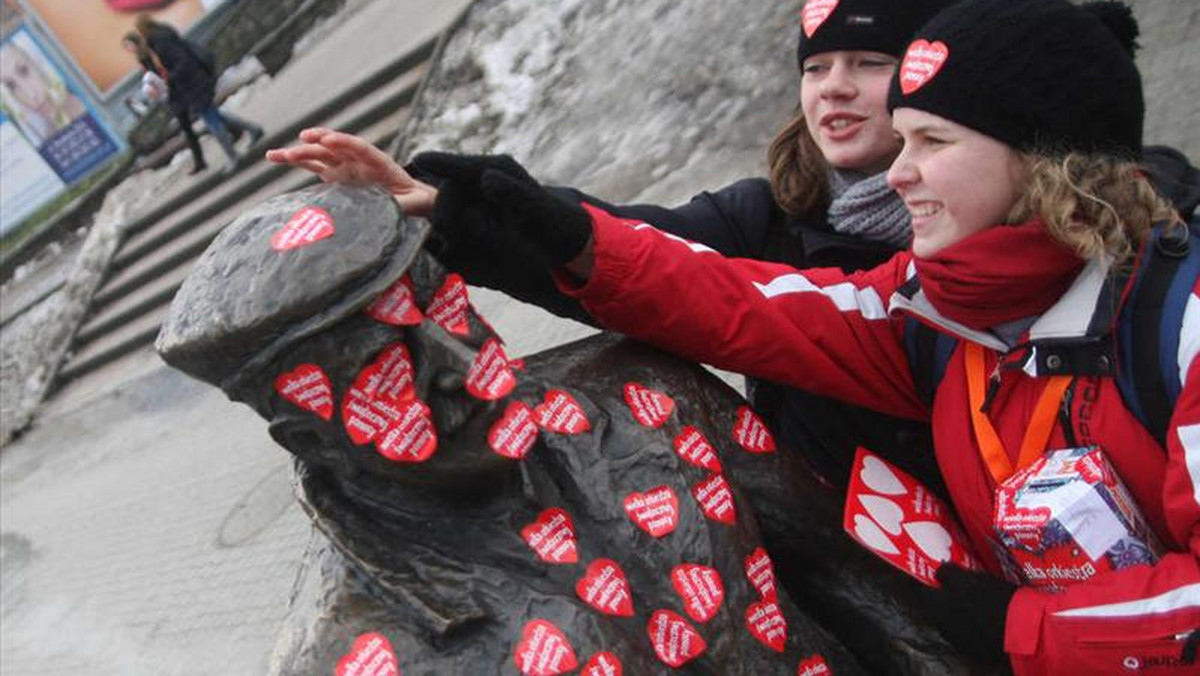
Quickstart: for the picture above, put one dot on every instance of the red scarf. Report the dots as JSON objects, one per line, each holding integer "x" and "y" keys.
{"x": 998, "y": 275}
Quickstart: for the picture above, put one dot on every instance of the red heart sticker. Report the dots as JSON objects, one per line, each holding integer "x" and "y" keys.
{"x": 516, "y": 364}
{"x": 921, "y": 62}
{"x": 656, "y": 511}
{"x": 761, "y": 573}
{"x": 751, "y": 432}
{"x": 514, "y": 433}
{"x": 559, "y": 412}
{"x": 448, "y": 307}
{"x": 602, "y": 664}
{"x": 552, "y": 536}
{"x": 308, "y": 387}
{"x": 765, "y": 622}
{"x": 675, "y": 641}
{"x": 489, "y": 376}
{"x": 815, "y": 13}
{"x": 701, "y": 589}
{"x": 410, "y": 438}
{"x": 396, "y": 305}
{"x": 371, "y": 655}
{"x": 813, "y": 666}
{"x": 364, "y": 416}
{"x": 544, "y": 650}
{"x": 308, "y": 225}
{"x": 715, "y": 498}
{"x": 692, "y": 446}
{"x": 650, "y": 407}
{"x": 390, "y": 376}
{"x": 605, "y": 588}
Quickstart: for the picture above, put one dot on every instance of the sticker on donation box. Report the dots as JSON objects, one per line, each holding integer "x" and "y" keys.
{"x": 306, "y": 226}
{"x": 1067, "y": 517}
{"x": 371, "y": 655}
{"x": 899, "y": 520}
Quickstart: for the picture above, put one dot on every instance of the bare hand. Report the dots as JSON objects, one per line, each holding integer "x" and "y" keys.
{"x": 338, "y": 157}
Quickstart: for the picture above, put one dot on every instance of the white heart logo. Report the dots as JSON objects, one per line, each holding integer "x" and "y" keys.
{"x": 886, "y": 513}
{"x": 879, "y": 477}
{"x": 931, "y": 537}
{"x": 872, "y": 536}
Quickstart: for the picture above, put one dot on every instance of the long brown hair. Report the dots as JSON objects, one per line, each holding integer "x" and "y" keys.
{"x": 799, "y": 173}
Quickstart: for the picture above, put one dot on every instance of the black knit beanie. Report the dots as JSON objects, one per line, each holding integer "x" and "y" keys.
{"x": 1038, "y": 75}
{"x": 861, "y": 25}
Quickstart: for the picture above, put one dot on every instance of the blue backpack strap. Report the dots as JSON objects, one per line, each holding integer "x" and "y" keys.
{"x": 1149, "y": 326}
{"x": 928, "y": 353}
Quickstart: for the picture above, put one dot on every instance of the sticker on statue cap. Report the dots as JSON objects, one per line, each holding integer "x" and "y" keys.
{"x": 761, "y": 573}
{"x": 544, "y": 650}
{"x": 813, "y": 666}
{"x": 815, "y": 13}
{"x": 650, "y": 407}
{"x": 701, "y": 589}
{"x": 552, "y": 536}
{"x": 716, "y": 499}
{"x": 675, "y": 641}
{"x": 308, "y": 387}
{"x": 514, "y": 433}
{"x": 605, "y": 588}
{"x": 693, "y": 446}
{"x": 371, "y": 655}
{"x": 602, "y": 664}
{"x": 448, "y": 307}
{"x": 490, "y": 377}
{"x": 306, "y": 226}
{"x": 899, "y": 520}
{"x": 559, "y": 412}
{"x": 751, "y": 432}
{"x": 412, "y": 437}
{"x": 656, "y": 511}
{"x": 921, "y": 62}
{"x": 389, "y": 376}
{"x": 765, "y": 621}
{"x": 365, "y": 417}
{"x": 396, "y": 305}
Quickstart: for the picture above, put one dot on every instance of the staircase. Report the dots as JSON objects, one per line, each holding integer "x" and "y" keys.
{"x": 162, "y": 245}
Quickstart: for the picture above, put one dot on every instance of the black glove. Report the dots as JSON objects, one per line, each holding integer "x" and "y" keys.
{"x": 970, "y": 610}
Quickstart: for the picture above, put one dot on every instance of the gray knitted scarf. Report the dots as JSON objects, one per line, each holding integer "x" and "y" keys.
{"x": 864, "y": 206}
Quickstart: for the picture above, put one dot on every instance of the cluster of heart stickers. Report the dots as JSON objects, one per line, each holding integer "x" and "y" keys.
{"x": 308, "y": 387}
{"x": 901, "y": 521}
{"x": 751, "y": 432}
{"x": 381, "y": 407}
{"x": 490, "y": 377}
{"x": 449, "y": 305}
{"x": 544, "y": 650}
{"x": 701, "y": 589}
{"x": 656, "y": 511}
{"x": 371, "y": 655}
{"x": 605, "y": 588}
{"x": 397, "y": 305}
{"x": 650, "y": 407}
{"x": 306, "y": 226}
{"x": 676, "y": 642}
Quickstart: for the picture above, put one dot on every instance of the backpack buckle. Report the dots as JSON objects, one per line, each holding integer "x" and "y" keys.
{"x": 1173, "y": 242}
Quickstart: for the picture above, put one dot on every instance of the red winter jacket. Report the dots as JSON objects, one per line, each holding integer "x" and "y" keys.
{"x": 842, "y": 335}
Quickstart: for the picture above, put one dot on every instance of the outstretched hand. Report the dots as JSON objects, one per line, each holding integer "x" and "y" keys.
{"x": 338, "y": 157}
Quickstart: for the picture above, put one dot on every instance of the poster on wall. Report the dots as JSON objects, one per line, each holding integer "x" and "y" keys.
{"x": 45, "y": 108}
{"x": 90, "y": 30}
{"x": 26, "y": 181}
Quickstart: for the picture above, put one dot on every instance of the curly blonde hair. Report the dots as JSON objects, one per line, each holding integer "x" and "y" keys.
{"x": 1094, "y": 204}
{"x": 798, "y": 171}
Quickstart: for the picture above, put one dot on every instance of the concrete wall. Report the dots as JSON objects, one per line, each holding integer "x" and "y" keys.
{"x": 1170, "y": 65}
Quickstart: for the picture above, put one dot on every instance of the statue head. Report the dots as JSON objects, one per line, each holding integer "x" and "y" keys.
{"x": 319, "y": 309}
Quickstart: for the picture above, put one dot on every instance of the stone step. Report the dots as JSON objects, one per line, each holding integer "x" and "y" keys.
{"x": 131, "y": 336}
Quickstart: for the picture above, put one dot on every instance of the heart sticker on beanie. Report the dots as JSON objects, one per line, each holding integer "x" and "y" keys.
{"x": 544, "y": 650}
{"x": 514, "y": 433}
{"x": 651, "y": 407}
{"x": 552, "y": 536}
{"x": 921, "y": 62}
{"x": 605, "y": 588}
{"x": 815, "y": 13}
{"x": 765, "y": 621}
{"x": 716, "y": 500}
{"x": 308, "y": 225}
{"x": 751, "y": 432}
{"x": 489, "y": 376}
{"x": 308, "y": 387}
{"x": 396, "y": 305}
{"x": 701, "y": 589}
{"x": 761, "y": 573}
{"x": 693, "y": 446}
{"x": 412, "y": 437}
{"x": 656, "y": 511}
{"x": 602, "y": 664}
{"x": 371, "y": 655}
{"x": 559, "y": 412}
{"x": 448, "y": 307}
{"x": 675, "y": 641}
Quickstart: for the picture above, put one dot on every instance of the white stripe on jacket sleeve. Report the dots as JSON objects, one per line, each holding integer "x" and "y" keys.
{"x": 1187, "y": 596}
{"x": 844, "y": 295}
{"x": 1189, "y": 336}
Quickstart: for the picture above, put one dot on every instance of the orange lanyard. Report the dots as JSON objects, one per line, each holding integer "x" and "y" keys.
{"x": 1040, "y": 424}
